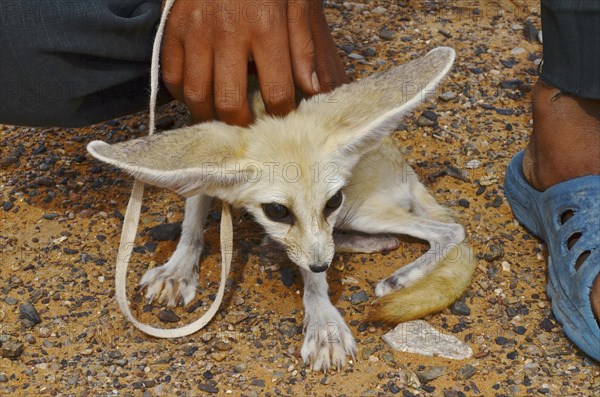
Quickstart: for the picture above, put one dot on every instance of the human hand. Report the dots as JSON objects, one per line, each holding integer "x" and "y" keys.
{"x": 207, "y": 46}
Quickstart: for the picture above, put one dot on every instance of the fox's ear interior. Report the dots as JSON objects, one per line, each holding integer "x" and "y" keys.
{"x": 360, "y": 114}
{"x": 204, "y": 158}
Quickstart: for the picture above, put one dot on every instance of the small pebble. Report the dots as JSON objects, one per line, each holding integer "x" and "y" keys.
{"x": 165, "y": 232}
{"x": 425, "y": 122}
{"x": 29, "y": 312}
{"x": 386, "y": 34}
{"x": 430, "y": 374}
{"x": 460, "y": 308}
{"x": 168, "y": 316}
{"x": 359, "y": 297}
{"x": 165, "y": 122}
{"x": 473, "y": 164}
{"x": 547, "y": 325}
{"x": 287, "y": 276}
{"x": 464, "y": 203}
{"x": 7, "y": 206}
{"x": 495, "y": 251}
{"x": 11, "y": 349}
{"x": 466, "y": 372}
{"x": 208, "y": 388}
{"x": 447, "y": 96}
{"x": 393, "y": 388}
{"x": 369, "y": 52}
{"x": 530, "y": 32}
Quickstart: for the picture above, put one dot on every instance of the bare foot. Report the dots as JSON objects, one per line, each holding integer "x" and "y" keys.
{"x": 565, "y": 144}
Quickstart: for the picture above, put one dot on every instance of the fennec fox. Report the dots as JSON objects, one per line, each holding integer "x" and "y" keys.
{"x": 327, "y": 165}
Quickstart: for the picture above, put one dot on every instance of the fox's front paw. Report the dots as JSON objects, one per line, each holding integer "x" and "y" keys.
{"x": 173, "y": 283}
{"x": 327, "y": 340}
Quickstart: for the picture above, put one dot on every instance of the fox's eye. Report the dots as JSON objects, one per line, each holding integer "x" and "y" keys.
{"x": 334, "y": 202}
{"x": 278, "y": 213}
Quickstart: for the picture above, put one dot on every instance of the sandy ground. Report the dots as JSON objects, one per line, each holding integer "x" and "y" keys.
{"x": 61, "y": 221}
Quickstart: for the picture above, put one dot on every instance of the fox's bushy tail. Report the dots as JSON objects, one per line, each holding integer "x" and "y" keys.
{"x": 430, "y": 294}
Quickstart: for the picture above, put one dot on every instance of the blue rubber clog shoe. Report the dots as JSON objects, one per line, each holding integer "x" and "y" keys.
{"x": 560, "y": 215}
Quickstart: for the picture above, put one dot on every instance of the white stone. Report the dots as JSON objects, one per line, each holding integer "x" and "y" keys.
{"x": 421, "y": 338}
{"x": 473, "y": 164}
{"x": 379, "y": 10}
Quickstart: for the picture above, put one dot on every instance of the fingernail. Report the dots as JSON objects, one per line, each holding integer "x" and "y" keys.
{"x": 315, "y": 82}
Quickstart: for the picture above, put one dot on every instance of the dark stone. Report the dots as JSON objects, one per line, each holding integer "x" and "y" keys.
{"x": 369, "y": 52}
{"x": 547, "y": 325}
{"x": 520, "y": 330}
{"x": 165, "y": 232}
{"x": 497, "y": 202}
{"x": 460, "y": 308}
{"x": 466, "y": 372}
{"x": 505, "y": 112}
{"x": 430, "y": 374}
{"x": 168, "y": 316}
{"x": 258, "y": 382}
{"x": 11, "y": 349}
{"x": 287, "y": 276}
{"x": 530, "y": 31}
{"x": 464, "y": 203}
{"x": 165, "y": 122}
{"x": 208, "y": 388}
{"x": 495, "y": 252}
{"x": 430, "y": 115}
{"x": 476, "y": 70}
{"x": 207, "y": 375}
{"x": 70, "y": 251}
{"x": 359, "y": 297}
{"x": 29, "y": 312}
{"x": 508, "y": 63}
{"x": 511, "y": 84}
{"x": 386, "y": 34}
{"x": 348, "y": 48}
{"x": 512, "y": 355}
{"x": 393, "y": 388}
{"x": 511, "y": 311}
{"x": 501, "y": 341}
{"x": 7, "y": 206}
{"x": 50, "y": 216}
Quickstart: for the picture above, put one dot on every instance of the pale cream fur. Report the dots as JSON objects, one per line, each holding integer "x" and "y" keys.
{"x": 332, "y": 141}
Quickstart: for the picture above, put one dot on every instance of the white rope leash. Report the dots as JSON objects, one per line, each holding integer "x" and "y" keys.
{"x": 132, "y": 218}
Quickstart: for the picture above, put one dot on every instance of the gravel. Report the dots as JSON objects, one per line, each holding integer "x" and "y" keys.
{"x": 483, "y": 113}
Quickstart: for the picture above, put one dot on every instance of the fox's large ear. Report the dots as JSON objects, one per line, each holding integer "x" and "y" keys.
{"x": 204, "y": 158}
{"x": 359, "y": 114}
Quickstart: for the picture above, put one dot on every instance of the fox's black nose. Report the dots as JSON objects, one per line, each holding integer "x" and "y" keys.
{"x": 319, "y": 268}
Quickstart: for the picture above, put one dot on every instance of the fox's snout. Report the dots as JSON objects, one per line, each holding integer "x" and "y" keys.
{"x": 319, "y": 268}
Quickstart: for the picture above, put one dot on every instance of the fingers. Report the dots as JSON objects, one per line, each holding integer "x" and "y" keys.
{"x": 230, "y": 84}
{"x": 328, "y": 64}
{"x": 302, "y": 47}
{"x": 172, "y": 61}
{"x": 198, "y": 92}
{"x": 271, "y": 52}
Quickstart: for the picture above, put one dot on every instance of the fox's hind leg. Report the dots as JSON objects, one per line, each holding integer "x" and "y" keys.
{"x": 366, "y": 244}
{"x": 175, "y": 282}
{"x": 417, "y": 215}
